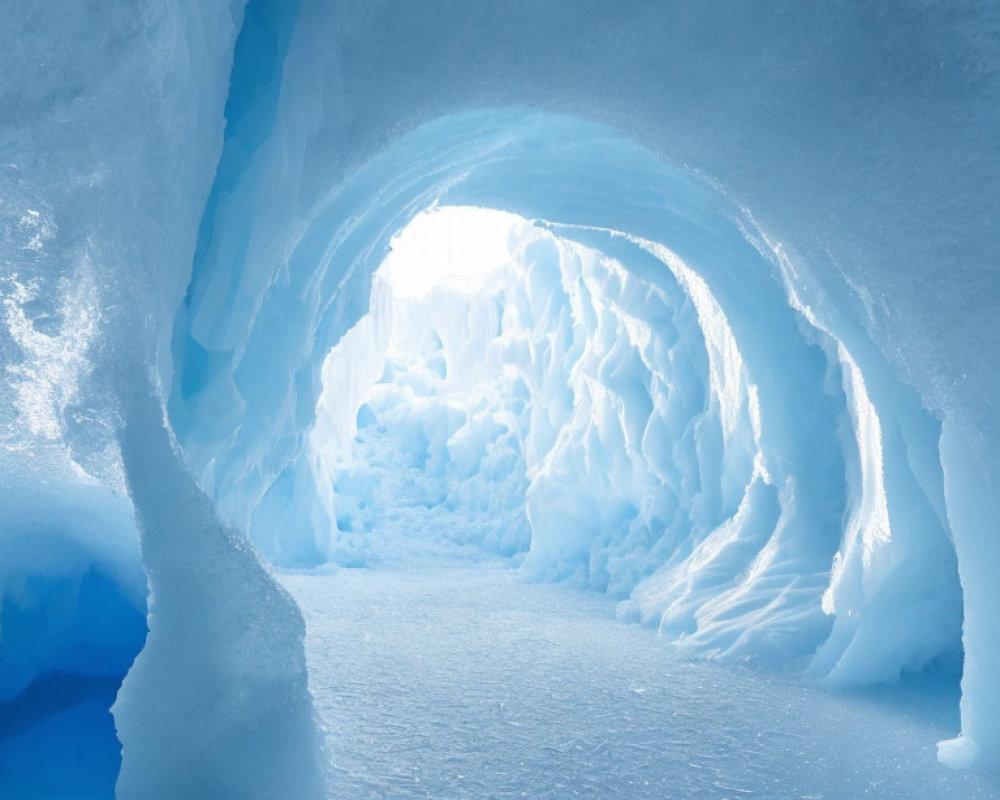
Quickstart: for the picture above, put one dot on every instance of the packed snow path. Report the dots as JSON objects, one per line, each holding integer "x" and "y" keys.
{"x": 468, "y": 683}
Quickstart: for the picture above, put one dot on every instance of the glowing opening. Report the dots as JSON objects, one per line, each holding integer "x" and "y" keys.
{"x": 515, "y": 393}
{"x": 452, "y": 247}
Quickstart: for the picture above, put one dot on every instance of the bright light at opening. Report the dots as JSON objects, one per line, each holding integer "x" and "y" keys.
{"x": 457, "y": 247}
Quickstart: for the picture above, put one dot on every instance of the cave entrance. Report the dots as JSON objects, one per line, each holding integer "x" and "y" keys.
{"x": 425, "y": 415}
{"x": 516, "y": 394}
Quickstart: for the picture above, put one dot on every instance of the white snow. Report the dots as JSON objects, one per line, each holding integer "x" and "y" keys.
{"x": 464, "y": 682}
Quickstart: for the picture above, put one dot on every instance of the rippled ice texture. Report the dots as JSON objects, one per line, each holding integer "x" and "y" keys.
{"x": 467, "y": 683}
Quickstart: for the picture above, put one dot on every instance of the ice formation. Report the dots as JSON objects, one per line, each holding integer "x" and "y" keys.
{"x": 729, "y": 356}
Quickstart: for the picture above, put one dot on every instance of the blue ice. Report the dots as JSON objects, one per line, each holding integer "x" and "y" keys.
{"x": 440, "y": 399}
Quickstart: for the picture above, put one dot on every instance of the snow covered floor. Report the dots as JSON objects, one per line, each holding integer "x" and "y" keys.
{"x": 467, "y": 683}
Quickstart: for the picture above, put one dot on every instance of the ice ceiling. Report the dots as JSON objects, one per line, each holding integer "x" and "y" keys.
{"x": 732, "y": 360}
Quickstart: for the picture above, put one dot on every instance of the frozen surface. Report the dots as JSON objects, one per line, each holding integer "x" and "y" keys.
{"x": 468, "y": 683}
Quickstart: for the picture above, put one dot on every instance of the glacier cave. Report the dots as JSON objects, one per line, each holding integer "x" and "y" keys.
{"x": 499, "y": 399}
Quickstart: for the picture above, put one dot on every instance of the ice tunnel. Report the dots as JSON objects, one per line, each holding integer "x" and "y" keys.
{"x": 688, "y": 305}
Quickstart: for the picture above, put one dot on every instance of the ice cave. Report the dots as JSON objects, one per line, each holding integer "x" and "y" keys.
{"x": 499, "y": 399}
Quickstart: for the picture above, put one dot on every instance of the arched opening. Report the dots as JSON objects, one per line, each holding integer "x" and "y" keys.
{"x": 746, "y": 427}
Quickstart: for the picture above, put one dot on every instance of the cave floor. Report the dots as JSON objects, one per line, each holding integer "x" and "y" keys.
{"x": 469, "y": 683}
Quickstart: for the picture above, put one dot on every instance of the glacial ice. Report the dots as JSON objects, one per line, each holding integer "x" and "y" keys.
{"x": 215, "y": 705}
{"x": 730, "y": 358}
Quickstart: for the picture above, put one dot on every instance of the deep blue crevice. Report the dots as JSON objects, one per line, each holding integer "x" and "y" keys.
{"x": 251, "y": 107}
{"x": 58, "y": 739}
{"x": 57, "y": 736}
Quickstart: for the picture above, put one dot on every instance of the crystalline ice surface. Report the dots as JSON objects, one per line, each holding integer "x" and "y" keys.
{"x": 688, "y": 304}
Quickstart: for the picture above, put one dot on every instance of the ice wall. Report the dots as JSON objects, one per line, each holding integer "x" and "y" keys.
{"x": 111, "y": 125}
{"x": 216, "y": 704}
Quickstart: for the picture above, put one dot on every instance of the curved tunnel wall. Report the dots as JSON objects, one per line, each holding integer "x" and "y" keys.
{"x": 590, "y": 183}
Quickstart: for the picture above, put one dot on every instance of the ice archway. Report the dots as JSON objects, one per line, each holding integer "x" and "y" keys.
{"x": 840, "y": 382}
{"x": 743, "y": 434}
{"x": 602, "y": 424}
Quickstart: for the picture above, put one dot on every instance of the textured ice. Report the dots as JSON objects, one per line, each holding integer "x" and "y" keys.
{"x": 452, "y": 682}
{"x": 600, "y": 422}
{"x": 216, "y": 704}
{"x": 741, "y": 377}
{"x": 110, "y": 129}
